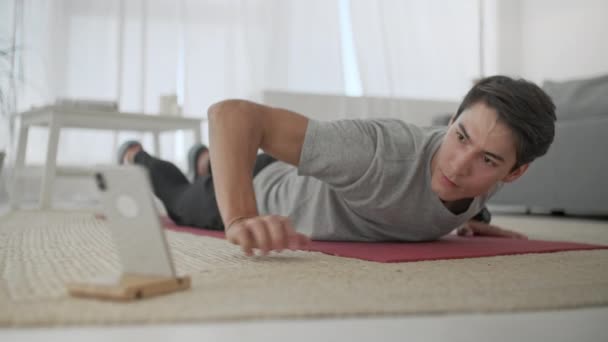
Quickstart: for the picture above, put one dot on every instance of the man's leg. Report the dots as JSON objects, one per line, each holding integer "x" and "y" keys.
{"x": 186, "y": 204}
{"x": 168, "y": 182}
{"x": 196, "y": 205}
{"x": 261, "y": 161}
{"x": 483, "y": 216}
{"x": 199, "y": 210}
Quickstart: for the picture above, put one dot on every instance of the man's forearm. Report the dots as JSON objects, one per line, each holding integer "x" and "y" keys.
{"x": 235, "y": 135}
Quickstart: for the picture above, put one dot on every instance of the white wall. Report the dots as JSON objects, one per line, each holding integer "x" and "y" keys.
{"x": 334, "y": 106}
{"x": 549, "y": 39}
{"x": 534, "y": 39}
{"x": 564, "y": 39}
{"x": 425, "y": 49}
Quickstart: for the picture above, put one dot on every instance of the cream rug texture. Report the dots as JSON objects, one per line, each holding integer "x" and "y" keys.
{"x": 41, "y": 251}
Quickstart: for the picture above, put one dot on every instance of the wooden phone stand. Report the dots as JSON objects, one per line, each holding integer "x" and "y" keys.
{"x": 129, "y": 287}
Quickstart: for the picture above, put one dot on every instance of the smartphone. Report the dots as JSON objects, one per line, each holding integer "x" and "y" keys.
{"x": 130, "y": 211}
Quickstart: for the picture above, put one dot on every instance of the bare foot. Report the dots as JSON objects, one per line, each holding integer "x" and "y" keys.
{"x": 130, "y": 153}
{"x": 202, "y": 164}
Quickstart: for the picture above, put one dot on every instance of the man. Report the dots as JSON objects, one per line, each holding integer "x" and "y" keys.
{"x": 357, "y": 180}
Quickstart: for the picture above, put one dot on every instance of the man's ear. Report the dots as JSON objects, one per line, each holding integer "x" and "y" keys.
{"x": 513, "y": 175}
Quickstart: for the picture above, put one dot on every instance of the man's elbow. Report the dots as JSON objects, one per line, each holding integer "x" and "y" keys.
{"x": 230, "y": 107}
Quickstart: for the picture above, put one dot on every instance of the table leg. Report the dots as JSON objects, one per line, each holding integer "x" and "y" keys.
{"x": 50, "y": 168}
{"x": 156, "y": 140}
{"x": 16, "y": 189}
{"x": 115, "y": 141}
{"x": 196, "y": 131}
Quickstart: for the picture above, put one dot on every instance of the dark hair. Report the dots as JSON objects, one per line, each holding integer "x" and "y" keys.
{"x": 523, "y": 106}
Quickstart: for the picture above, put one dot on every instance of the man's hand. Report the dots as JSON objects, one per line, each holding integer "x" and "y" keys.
{"x": 473, "y": 228}
{"x": 266, "y": 233}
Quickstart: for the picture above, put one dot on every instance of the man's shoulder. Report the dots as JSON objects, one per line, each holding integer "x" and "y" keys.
{"x": 404, "y": 139}
{"x": 401, "y": 127}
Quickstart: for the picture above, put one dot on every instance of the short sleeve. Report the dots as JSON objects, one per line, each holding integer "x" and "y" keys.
{"x": 338, "y": 152}
{"x": 360, "y": 158}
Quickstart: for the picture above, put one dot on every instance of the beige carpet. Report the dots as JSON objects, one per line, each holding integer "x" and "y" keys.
{"x": 40, "y": 251}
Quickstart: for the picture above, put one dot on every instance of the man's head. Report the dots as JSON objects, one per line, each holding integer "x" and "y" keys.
{"x": 500, "y": 127}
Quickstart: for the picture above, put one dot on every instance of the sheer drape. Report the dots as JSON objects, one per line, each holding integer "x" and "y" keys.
{"x": 205, "y": 51}
{"x": 416, "y": 49}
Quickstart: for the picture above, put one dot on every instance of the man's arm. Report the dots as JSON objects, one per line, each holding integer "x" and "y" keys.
{"x": 478, "y": 228}
{"x": 237, "y": 130}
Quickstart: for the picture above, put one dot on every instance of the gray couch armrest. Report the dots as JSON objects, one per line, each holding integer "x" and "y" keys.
{"x": 571, "y": 177}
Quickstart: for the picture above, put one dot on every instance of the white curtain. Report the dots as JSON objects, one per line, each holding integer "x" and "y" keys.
{"x": 204, "y": 51}
{"x": 417, "y": 49}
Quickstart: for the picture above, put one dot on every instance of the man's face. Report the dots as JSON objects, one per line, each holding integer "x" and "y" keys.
{"x": 477, "y": 152}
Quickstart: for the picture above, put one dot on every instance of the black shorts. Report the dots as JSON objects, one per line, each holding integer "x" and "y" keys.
{"x": 198, "y": 206}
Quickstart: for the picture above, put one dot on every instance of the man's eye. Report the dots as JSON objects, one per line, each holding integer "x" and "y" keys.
{"x": 460, "y": 136}
{"x": 488, "y": 161}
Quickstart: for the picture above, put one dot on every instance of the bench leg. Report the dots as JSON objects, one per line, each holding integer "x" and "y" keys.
{"x": 17, "y": 181}
{"x": 50, "y": 168}
{"x": 156, "y": 141}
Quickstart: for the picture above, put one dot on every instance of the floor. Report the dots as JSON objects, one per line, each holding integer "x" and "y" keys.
{"x": 587, "y": 324}
{"x": 577, "y": 325}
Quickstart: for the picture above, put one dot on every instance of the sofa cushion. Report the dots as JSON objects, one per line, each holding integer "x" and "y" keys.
{"x": 581, "y": 98}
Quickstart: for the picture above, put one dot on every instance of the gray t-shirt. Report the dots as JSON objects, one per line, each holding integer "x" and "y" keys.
{"x": 362, "y": 180}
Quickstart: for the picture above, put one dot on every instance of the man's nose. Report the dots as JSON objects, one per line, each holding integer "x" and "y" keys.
{"x": 461, "y": 164}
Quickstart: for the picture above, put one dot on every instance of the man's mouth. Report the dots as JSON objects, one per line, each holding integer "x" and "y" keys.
{"x": 448, "y": 181}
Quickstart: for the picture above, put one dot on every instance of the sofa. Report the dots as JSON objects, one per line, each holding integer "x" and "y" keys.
{"x": 572, "y": 177}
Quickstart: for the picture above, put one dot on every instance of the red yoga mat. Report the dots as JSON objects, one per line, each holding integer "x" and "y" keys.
{"x": 448, "y": 247}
